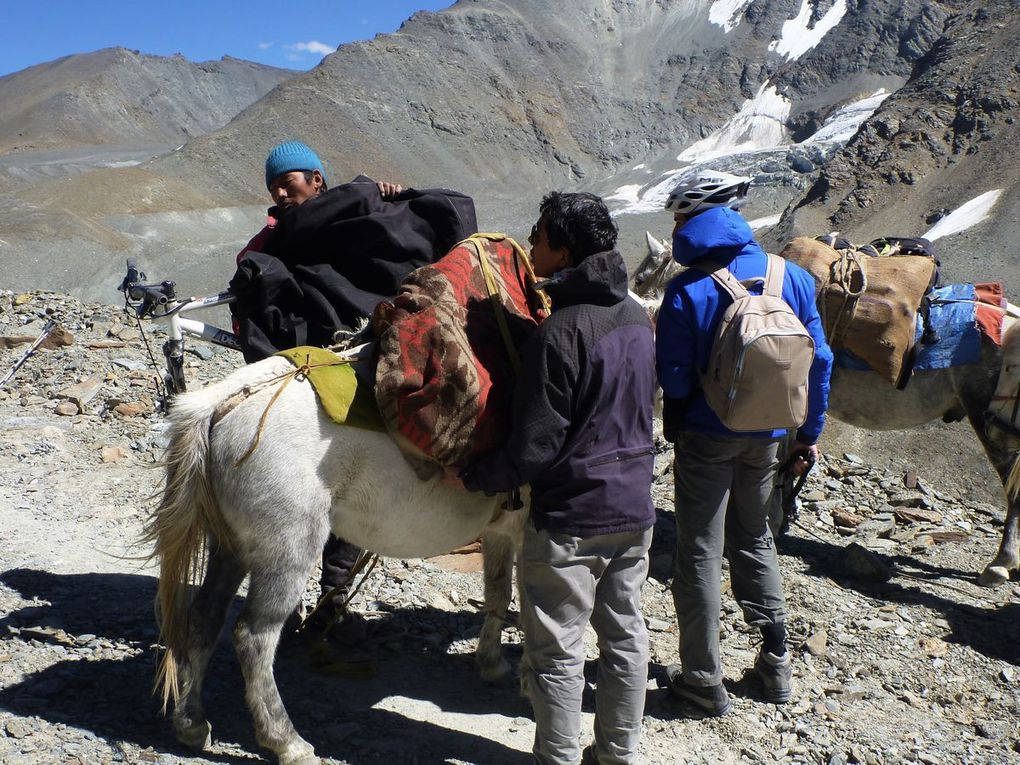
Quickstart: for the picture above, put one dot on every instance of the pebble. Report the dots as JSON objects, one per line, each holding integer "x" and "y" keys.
{"x": 17, "y": 729}
{"x": 658, "y": 625}
{"x": 817, "y": 643}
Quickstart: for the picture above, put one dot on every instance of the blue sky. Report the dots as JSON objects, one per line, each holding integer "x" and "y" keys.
{"x": 294, "y": 35}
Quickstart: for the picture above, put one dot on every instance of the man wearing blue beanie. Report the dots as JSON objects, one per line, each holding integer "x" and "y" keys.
{"x": 294, "y": 175}
{"x": 292, "y": 156}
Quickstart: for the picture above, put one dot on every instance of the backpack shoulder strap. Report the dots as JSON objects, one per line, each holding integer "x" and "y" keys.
{"x": 718, "y": 271}
{"x": 774, "y": 273}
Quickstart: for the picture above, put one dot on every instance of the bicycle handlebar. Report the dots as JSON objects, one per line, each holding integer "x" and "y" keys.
{"x": 147, "y": 295}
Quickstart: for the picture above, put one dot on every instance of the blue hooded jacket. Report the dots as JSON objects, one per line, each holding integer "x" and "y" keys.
{"x": 694, "y": 304}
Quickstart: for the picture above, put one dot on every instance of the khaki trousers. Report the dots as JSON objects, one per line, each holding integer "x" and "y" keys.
{"x": 723, "y": 488}
{"x": 565, "y": 583}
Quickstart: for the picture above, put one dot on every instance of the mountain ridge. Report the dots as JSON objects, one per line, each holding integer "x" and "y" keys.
{"x": 504, "y": 100}
{"x": 116, "y": 95}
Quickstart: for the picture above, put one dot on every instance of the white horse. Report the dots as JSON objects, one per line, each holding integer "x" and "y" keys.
{"x": 268, "y": 515}
{"x": 985, "y": 393}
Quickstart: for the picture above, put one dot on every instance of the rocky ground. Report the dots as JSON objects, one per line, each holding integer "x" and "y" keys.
{"x": 899, "y": 655}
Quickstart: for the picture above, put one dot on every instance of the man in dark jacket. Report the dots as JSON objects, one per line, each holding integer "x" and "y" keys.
{"x": 724, "y": 479}
{"x": 582, "y": 439}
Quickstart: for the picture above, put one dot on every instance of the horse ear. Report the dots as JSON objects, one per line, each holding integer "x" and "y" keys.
{"x": 656, "y": 247}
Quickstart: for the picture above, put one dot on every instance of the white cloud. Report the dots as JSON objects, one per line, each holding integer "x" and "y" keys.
{"x": 265, "y": 45}
{"x": 313, "y": 46}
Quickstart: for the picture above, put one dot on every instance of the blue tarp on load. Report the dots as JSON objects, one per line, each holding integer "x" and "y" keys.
{"x": 954, "y": 318}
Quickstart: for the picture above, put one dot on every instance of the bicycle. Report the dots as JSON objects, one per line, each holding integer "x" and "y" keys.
{"x": 160, "y": 303}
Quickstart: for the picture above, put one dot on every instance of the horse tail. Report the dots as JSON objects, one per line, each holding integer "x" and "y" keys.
{"x": 187, "y": 520}
{"x": 180, "y": 529}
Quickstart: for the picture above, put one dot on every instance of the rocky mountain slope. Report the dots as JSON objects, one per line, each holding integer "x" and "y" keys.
{"x": 503, "y": 100}
{"x": 499, "y": 96}
{"x": 947, "y": 136}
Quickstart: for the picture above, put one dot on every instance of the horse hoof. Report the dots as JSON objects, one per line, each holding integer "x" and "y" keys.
{"x": 302, "y": 755}
{"x": 195, "y": 735}
{"x": 993, "y": 576}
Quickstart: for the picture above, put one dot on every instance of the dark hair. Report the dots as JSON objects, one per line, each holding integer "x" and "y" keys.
{"x": 309, "y": 174}
{"x": 578, "y": 221}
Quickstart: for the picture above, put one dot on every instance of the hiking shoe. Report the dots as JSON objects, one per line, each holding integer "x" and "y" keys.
{"x": 588, "y": 756}
{"x": 776, "y": 673}
{"x": 711, "y": 699}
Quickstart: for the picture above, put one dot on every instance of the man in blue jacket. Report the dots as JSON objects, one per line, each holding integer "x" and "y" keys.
{"x": 582, "y": 438}
{"x": 724, "y": 479}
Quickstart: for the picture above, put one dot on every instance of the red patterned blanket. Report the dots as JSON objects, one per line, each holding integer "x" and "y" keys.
{"x": 447, "y": 350}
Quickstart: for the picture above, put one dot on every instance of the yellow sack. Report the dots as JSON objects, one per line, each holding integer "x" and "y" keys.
{"x": 345, "y": 399}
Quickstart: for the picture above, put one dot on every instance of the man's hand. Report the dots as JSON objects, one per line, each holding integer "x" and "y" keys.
{"x": 806, "y": 457}
{"x": 388, "y": 190}
{"x": 450, "y": 478}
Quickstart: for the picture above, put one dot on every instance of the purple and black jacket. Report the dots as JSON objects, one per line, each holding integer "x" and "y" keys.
{"x": 582, "y": 409}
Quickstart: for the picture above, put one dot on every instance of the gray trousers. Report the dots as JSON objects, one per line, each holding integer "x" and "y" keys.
{"x": 723, "y": 486}
{"x": 565, "y": 583}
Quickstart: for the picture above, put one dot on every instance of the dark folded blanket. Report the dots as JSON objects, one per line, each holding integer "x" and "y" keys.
{"x": 329, "y": 262}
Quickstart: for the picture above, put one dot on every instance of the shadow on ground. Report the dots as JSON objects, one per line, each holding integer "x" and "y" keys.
{"x": 113, "y": 696}
{"x": 993, "y": 631}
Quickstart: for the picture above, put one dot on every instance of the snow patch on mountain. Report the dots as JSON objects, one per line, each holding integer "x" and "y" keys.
{"x": 798, "y": 36}
{"x": 628, "y": 195}
{"x": 757, "y": 127}
{"x": 845, "y": 121}
{"x": 965, "y": 216}
{"x": 760, "y": 124}
{"x": 727, "y": 13}
{"x": 765, "y": 222}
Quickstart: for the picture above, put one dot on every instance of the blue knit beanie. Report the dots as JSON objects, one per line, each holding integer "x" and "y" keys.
{"x": 289, "y": 156}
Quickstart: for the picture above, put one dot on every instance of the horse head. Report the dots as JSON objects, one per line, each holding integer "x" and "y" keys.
{"x": 654, "y": 272}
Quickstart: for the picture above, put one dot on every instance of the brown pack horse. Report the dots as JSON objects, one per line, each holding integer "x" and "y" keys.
{"x": 985, "y": 393}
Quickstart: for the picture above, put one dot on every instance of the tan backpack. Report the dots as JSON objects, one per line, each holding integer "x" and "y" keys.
{"x": 757, "y": 376}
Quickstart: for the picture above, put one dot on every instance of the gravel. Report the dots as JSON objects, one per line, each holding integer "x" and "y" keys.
{"x": 899, "y": 656}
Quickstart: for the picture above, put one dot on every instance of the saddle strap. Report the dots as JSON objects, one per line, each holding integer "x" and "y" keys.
{"x": 842, "y": 273}
{"x": 497, "y": 304}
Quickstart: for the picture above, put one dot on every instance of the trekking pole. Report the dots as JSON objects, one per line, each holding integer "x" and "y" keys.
{"x": 791, "y": 487}
{"x": 50, "y": 326}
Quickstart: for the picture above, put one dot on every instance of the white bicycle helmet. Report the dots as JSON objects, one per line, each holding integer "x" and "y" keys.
{"x": 708, "y": 189}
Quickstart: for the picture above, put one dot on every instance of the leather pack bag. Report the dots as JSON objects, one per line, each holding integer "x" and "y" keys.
{"x": 868, "y": 304}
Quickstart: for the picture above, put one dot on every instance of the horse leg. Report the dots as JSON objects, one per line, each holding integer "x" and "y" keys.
{"x": 1008, "y": 557}
{"x": 500, "y": 543}
{"x": 205, "y": 622}
{"x": 273, "y": 593}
